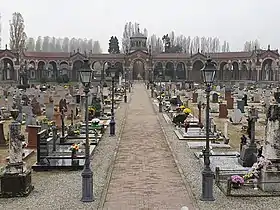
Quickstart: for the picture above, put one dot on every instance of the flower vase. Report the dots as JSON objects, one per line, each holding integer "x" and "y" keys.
{"x": 74, "y": 154}
{"x": 255, "y": 181}
{"x": 74, "y": 162}
{"x": 235, "y": 185}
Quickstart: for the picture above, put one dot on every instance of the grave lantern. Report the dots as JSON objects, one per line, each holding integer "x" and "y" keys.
{"x": 209, "y": 72}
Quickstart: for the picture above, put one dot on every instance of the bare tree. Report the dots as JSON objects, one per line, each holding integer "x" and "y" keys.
{"x": 38, "y": 45}
{"x": 65, "y": 44}
{"x": 17, "y": 34}
{"x": 46, "y": 44}
{"x": 250, "y": 46}
{"x": 96, "y": 47}
{"x": 30, "y": 44}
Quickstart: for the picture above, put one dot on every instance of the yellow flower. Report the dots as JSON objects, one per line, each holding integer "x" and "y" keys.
{"x": 182, "y": 107}
{"x": 187, "y": 111}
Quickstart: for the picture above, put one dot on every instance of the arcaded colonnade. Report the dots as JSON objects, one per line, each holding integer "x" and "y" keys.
{"x": 259, "y": 65}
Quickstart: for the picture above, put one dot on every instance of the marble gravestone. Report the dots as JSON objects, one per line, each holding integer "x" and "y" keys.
{"x": 236, "y": 117}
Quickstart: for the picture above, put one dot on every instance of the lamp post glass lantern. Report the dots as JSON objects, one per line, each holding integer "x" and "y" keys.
{"x": 208, "y": 73}
{"x": 87, "y": 181}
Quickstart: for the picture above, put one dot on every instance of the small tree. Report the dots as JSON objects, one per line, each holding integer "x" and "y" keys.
{"x": 17, "y": 34}
{"x": 114, "y": 45}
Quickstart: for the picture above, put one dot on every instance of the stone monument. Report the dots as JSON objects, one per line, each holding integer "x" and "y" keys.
{"x": 16, "y": 178}
{"x": 271, "y": 150}
{"x": 248, "y": 153}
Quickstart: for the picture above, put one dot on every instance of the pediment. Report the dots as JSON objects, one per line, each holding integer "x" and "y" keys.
{"x": 77, "y": 56}
{"x": 198, "y": 56}
{"x": 138, "y": 54}
{"x": 269, "y": 54}
{"x": 7, "y": 53}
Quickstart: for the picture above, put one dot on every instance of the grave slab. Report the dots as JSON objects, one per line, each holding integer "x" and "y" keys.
{"x": 200, "y": 145}
{"x": 62, "y": 160}
{"x": 225, "y": 163}
{"x": 195, "y": 138}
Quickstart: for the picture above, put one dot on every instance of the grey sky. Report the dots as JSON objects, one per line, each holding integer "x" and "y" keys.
{"x": 235, "y": 21}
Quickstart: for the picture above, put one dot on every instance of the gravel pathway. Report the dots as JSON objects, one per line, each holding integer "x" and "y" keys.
{"x": 191, "y": 169}
{"x": 145, "y": 174}
{"x": 62, "y": 190}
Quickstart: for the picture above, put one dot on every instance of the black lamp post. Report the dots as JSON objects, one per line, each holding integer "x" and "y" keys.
{"x": 208, "y": 72}
{"x": 125, "y": 96}
{"x": 160, "y": 98}
{"x": 112, "y": 71}
{"x": 87, "y": 181}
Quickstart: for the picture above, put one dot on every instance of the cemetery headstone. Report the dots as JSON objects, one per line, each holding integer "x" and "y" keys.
{"x": 236, "y": 117}
{"x": 240, "y": 105}
{"x": 223, "y": 112}
{"x": 215, "y": 98}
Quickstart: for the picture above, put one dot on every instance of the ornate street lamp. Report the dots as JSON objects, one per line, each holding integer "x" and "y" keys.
{"x": 208, "y": 73}
{"x": 87, "y": 181}
{"x": 112, "y": 70}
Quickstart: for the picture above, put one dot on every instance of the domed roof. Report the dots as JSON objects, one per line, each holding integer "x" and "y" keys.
{"x": 138, "y": 34}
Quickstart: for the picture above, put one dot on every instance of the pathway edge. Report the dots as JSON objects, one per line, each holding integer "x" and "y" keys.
{"x": 181, "y": 172}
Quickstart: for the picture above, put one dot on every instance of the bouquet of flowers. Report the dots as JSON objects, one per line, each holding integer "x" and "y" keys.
{"x": 77, "y": 132}
{"x": 254, "y": 172}
{"x": 74, "y": 148}
{"x": 237, "y": 179}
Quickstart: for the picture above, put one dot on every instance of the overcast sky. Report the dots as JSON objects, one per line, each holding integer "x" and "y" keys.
{"x": 235, "y": 21}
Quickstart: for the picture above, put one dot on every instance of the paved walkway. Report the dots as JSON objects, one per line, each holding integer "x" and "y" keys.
{"x": 145, "y": 175}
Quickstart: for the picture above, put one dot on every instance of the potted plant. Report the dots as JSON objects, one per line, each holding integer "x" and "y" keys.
{"x": 236, "y": 181}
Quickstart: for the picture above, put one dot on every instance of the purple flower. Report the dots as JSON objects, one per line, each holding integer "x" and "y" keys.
{"x": 237, "y": 179}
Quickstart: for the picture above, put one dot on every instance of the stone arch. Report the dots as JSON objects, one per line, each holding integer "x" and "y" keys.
{"x": 138, "y": 69}
{"x": 120, "y": 71}
{"x": 53, "y": 69}
{"x": 41, "y": 69}
{"x": 169, "y": 71}
{"x": 97, "y": 67}
{"x": 235, "y": 70}
{"x": 158, "y": 67}
{"x": 7, "y": 67}
{"x": 266, "y": 72}
{"x": 63, "y": 62}
{"x": 64, "y": 69}
{"x": 181, "y": 71}
{"x": 31, "y": 69}
{"x": 77, "y": 65}
{"x": 196, "y": 71}
{"x": 244, "y": 73}
{"x": 222, "y": 68}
